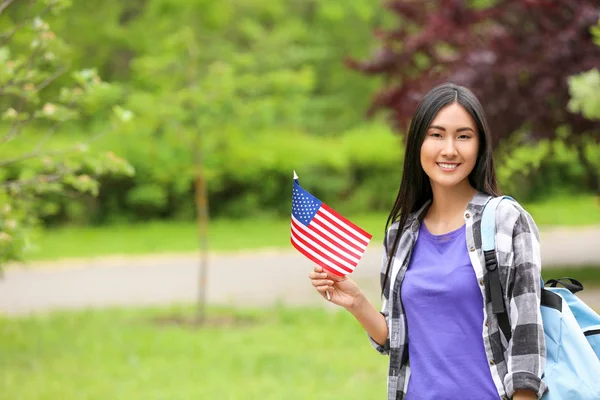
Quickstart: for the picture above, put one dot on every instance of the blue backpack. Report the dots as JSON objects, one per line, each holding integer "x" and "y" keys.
{"x": 571, "y": 327}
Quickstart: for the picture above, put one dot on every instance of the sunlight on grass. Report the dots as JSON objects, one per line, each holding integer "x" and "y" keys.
{"x": 158, "y": 236}
{"x": 124, "y": 354}
{"x": 230, "y": 235}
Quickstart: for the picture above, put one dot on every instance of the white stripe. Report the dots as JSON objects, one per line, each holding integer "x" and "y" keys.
{"x": 332, "y": 227}
{"x": 340, "y": 242}
{"x": 333, "y": 266}
{"x": 319, "y": 247}
{"x": 329, "y": 243}
{"x": 345, "y": 225}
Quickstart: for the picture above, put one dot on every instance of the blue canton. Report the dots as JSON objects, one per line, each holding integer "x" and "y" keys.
{"x": 304, "y": 205}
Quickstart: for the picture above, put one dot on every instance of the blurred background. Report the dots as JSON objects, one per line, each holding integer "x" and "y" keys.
{"x": 146, "y": 158}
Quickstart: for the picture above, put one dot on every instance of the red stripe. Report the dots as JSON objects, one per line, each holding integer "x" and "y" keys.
{"x": 337, "y": 235}
{"x": 314, "y": 259}
{"x": 319, "y": 252}
{"x": 318, "y": 239}
{"x": 366, "y": 234}
{"x": 343, "y": 228}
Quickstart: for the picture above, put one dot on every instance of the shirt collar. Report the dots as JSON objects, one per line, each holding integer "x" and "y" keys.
{"x": 475, "y": 206}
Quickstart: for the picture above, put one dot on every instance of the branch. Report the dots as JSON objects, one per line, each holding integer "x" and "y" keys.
{"x": 51, "y": 78}
{"x": 14, "y": 129}
{"x": 37, "y": 180}
{"x": 37, "y": 152}
{"x": 5, "y": 37}
{"x": 5, "y": 4}
{"x": 31, "y": 155}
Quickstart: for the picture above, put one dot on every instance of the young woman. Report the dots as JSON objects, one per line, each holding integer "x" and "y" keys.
{"x": 436, "y": 323}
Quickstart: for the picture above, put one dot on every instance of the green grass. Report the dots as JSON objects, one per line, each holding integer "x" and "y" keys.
{"x": 589, "y": 276}
{"x": 581, "y": 210}
{"x": 164, "y": 236}
{"x": 227, "y": 235}
{"x": 123, "y": 354}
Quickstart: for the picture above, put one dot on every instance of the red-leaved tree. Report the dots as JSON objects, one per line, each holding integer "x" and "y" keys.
{"x": 515, "y": 55}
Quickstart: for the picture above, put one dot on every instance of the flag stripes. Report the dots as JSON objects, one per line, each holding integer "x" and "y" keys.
{"x": 330, "y": 225}
{"x": 338, "y": 239}
{"x": 357, "y": 233}
{"x": 332, "y": 262}
{"x": 320, "y": 261}
{"x": 323, "y": 245}
{"x": 324, "y": 236}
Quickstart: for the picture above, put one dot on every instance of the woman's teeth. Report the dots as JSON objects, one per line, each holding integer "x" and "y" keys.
{"x": 448, "y": 166}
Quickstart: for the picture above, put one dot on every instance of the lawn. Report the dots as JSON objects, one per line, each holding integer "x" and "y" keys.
{"x": 226, "y": 235}
{"x": 125, "y": 354}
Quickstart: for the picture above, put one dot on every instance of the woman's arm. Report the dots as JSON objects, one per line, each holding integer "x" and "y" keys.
{"x": 372, "y": 320}
{"x": 344, "y": 292}
{"x": 527, "y": 347}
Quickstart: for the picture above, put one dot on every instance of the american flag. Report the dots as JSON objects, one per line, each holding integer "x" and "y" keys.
{"x": 323, "y": 235}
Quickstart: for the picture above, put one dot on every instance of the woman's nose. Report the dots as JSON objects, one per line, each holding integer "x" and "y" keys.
{"x": 449, "y": 147}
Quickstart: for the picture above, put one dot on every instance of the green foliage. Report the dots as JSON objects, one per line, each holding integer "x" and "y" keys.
{"x": 584, "y": 88}
{"x": 266, "y": 45}
{"x": 355, "y": 172}
{"x": 35, "y": 104}
{"x": 254, "y": 88}
{"x": 532, "y": 171}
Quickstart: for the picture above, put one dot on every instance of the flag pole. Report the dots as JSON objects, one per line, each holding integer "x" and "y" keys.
{"x": 327, "y": 291}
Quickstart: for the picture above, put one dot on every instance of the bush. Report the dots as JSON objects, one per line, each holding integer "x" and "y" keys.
{"x": 250, "y": 174}
{"x": 247, "y": 175}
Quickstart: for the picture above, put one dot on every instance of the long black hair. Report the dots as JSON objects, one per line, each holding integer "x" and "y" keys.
{"x": 415, "y": 187}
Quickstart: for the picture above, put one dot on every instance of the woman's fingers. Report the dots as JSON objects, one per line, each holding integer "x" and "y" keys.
{"x": 323, "y": 289}
{"x": 320, "y": 273}
{"x": 317, "y": 275}
{"x": 321, "y": 282}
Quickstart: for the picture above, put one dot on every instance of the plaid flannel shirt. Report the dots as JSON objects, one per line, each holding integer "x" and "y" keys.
{"x": 514, "y": 364}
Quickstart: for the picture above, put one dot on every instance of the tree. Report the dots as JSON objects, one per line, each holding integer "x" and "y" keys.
{"x": 37, "y": 100}
{"x": 516, "y": 56}
{"x": 216, "y": 91}
{"x": 584, "y": 88}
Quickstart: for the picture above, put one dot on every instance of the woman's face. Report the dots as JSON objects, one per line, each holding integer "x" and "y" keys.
{"x": 449, "y": 151}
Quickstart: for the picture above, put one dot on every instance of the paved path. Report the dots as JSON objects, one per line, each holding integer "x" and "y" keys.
{"x": 248, "y": 279}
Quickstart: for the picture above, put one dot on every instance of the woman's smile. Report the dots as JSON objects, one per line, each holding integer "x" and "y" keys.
{"x": 448, "y": 167}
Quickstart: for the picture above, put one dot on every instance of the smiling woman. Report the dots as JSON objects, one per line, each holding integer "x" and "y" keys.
{"x": 437, "y": 323}
{"x": 449, "y": 150}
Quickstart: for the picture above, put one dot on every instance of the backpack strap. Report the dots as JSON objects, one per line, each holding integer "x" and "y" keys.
{"x": 572, "y": 284}
{"x": 488, "y": 245}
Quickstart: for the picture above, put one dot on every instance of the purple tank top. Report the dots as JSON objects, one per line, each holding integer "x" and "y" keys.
{"x": 444, "y": 313}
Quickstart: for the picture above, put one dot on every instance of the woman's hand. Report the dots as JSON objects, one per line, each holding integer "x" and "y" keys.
{"x": 343, "y": 290}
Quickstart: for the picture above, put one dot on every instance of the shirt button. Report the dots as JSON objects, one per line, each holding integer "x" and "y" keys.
{"x": 472, "y": 249}
{"x": 467, "y": 215}
{"x": 492, "y": 362}
{"x": 481, "y": 282}
{"x": 415, "y": 226}
{"x": 486, "y": 323}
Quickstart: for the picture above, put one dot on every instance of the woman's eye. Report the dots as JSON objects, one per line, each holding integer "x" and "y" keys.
{"x": 436, "y": 135}
{"x": 464, "y": 137}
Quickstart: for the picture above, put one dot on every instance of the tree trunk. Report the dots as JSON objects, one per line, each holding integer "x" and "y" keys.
{"x": 202, "y": 219}
{"x": 593, "y": 180}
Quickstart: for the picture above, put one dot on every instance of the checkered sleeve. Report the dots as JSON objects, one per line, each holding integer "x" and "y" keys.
{"x": 385, "y": 308}
{"x": 526, "y": 349}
